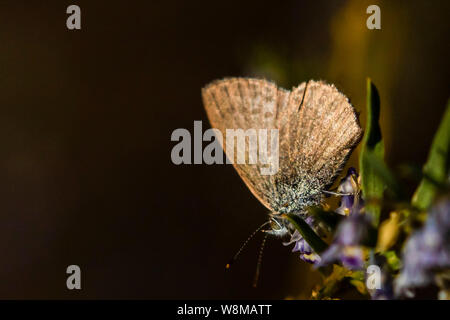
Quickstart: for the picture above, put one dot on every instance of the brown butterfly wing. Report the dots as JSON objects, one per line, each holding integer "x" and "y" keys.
{"x": 317, "y": 130}
{"x": 244, "y": 103}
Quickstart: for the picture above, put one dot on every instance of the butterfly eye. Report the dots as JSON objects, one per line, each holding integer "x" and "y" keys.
{"x": 275, "y": 226}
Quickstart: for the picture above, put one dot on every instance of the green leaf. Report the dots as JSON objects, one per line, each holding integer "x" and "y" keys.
{"x": 316, "y": 243}
{"x": 358, "y": 275}
{"x": 332, "y": 282}
{"x": 385, "y": 175}
{"x": 336, "y": 283}
{"x": 372, "y": 147}
{"x": 359, "y": 285}
{"x": 437, "y": 165}
{"x": 392, "y": 259}
{"x": 330, "y": 218}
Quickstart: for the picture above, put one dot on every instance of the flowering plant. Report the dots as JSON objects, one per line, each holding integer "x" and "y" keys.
{"x": 385, "y": 244}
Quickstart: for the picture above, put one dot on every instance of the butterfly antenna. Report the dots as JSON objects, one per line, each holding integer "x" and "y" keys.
{"x": 337, "y": 193}
{"x": 258, "y": 264}
{"x": 232, "y": 260}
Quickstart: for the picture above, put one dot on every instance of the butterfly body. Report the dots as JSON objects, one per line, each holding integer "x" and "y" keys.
{"x": 293, "y": 194}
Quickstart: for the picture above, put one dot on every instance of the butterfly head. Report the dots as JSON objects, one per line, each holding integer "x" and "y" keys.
{"x": 278, "y": 226}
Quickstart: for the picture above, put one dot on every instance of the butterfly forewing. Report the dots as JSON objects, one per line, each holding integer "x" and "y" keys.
{"x": 240, "y": 103}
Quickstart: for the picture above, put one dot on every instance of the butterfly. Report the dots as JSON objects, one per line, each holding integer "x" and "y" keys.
{"x": 317, "y": 130}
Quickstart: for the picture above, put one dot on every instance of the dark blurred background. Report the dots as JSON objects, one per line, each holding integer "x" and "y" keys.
{"x": 86, "y": 117}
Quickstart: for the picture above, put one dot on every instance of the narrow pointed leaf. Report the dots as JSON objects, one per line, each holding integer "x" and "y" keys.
{"x": 384, "y": 174}
{"x": 372, "y": 146}
{"x": 437, "y": 165}
{"x": 329, "y": 218}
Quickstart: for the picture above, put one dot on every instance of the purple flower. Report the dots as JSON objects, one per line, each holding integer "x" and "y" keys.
{"x": 349, "y": 186}
{"x": 346, "y": 246}
{"x": 426, "y": 252}
{"x": 306, "y": 252}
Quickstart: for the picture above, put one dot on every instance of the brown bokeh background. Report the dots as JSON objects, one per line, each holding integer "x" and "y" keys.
{"x": 86, "y": 118}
